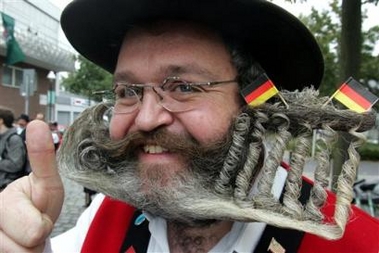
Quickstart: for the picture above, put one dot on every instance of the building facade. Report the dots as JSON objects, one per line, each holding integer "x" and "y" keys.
{"x": 32, "y": 85}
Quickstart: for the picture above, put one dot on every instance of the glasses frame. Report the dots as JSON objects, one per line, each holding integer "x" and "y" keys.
{"x": 154, "y": 87}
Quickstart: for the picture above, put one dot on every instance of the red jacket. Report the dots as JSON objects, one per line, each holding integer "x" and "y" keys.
{"x": 112, "y": 231}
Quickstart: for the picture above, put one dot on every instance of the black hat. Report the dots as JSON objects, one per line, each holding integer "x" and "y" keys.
{"x": 279, "y": 41}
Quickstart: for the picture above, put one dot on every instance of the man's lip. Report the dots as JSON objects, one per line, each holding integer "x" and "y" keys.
{"x": 154, "y": 149}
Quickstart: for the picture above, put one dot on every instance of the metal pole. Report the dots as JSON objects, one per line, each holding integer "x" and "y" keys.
{"x": 51, "y": 102}
{"x": 27, "y": 90}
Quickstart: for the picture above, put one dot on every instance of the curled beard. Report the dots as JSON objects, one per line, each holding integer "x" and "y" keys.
{"x": 90, "y": 157}
{"x": 216, "y": 181}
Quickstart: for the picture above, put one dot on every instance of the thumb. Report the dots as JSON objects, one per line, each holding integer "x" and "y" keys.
{"x": 47, "y": 192}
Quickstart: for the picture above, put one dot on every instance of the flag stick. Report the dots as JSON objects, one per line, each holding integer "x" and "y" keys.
{"x": 283, "y": 100}
{"x": 334, "y": 94}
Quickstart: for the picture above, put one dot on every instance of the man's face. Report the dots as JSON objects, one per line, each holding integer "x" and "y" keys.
{"x": 157, "y": 160}
{"x": 22, "y": 123}
{"x": 193, "y": 54}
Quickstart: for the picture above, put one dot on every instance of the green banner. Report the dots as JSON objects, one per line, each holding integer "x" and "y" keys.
{"x": 14, "y": 52}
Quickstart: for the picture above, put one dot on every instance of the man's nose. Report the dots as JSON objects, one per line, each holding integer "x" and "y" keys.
{"x": 151, "y": 114}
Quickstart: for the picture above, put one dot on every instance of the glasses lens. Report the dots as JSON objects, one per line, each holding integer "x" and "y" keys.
{"x": 179, "y": 95}
{"x": 127, "y": 98}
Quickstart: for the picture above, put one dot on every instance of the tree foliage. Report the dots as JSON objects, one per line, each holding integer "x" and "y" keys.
{"x": 327, "y": 30}
{"x": 87, "y": 79}
{"x": 370, "y": 62}
{"x": 326, "y": 26}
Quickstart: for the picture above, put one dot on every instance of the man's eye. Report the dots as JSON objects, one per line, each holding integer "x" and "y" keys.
{"x": 183, "y": 87}
{"x": 126, "y": 92}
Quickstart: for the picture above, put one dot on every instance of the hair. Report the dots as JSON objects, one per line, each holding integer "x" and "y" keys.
{"x": 24, "y": 117}
{"x": 87, "y": 158}
{"x": 7, "y": 115}
{"x": 248, "y": 69}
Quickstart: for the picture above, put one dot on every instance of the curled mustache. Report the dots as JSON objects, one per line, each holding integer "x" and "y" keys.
{"x": 105, "y": 154}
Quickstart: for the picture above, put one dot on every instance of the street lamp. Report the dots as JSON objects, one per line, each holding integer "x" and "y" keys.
{"x": 50, "y": 94}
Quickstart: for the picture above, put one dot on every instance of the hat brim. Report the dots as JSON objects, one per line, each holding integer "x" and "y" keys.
{"x": 278, "y": 41}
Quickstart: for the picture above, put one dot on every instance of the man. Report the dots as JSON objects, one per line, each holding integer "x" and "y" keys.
{"x": 12, "y": 149}
{"x": 22, "y": 122}
{"x": 178, "y": 69}
{"x": 55, "y": 134}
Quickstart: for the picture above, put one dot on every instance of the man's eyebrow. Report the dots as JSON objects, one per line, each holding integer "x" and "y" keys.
{"x": 169, "y": 70}
{"x": 123, "y": 76}
{"x": 189, "y": 68}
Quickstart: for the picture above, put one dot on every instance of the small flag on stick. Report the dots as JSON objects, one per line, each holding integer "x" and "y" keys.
{"x": 354, "y": 96}
{"x": 14, "y": 52}
{"x": 258, "y": 92}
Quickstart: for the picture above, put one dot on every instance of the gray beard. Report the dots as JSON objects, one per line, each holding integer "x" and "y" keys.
{"x": 89, "y": 157}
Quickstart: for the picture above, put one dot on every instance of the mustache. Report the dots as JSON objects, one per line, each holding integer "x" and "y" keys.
{"x": 109, "y": 152}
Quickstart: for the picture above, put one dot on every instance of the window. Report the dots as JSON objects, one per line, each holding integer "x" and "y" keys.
{"x": 12, "y": 76}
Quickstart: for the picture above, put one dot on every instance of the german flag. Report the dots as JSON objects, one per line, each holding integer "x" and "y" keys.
{"x": 258, "y": 92}
{"x": 354, "y": 96}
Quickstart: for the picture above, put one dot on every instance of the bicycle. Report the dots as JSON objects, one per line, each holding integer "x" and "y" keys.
{"x": 366, "y": 196}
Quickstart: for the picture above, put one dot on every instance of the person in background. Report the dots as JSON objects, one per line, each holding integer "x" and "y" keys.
{"x": 40, "y": 116}
{"x": 57, "y": 137}
{"x": 12, "y": 149}
{"x": 22, "y": 122}
{"x": 181, "y": 137}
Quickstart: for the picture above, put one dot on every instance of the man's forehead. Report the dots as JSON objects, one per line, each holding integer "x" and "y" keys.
{"x": 165, "y": 36}
{"x": 160, "y": 28}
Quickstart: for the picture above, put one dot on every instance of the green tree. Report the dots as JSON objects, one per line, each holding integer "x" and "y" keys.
{"x": 326, "y": 26}
{"x": 370, "y": 63}
{"x": 326, "y": 29}
{"x": 350, "y": 46}
{"x": 87, "y": 79}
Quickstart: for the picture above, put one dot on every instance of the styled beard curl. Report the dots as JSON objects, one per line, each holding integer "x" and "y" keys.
{"x": 228, "y": 195}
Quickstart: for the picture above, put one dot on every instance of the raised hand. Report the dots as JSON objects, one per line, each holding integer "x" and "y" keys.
{"x": 31, "y": 205}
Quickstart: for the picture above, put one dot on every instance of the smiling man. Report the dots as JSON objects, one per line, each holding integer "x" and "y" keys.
{"x": 181, "y": 163}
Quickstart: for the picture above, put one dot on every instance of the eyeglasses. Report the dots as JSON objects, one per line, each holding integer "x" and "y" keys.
{"x": 176, "y": 95}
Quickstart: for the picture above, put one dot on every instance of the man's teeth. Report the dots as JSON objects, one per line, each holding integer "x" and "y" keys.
{"x": 154, "y": 149}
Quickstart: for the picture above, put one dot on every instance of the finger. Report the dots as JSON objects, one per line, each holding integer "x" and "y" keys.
{"x": 20, "y": 220}
{"x": 8, "y": 245}
{"x": 31, "y": 205}
{"x": 46, "y": 185}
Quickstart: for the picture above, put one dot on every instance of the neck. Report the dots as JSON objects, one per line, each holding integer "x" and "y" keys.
{"x": 187, "y": 239}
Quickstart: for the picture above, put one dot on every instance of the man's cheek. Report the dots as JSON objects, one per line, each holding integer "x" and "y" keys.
{"x": 117, "y": 130}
